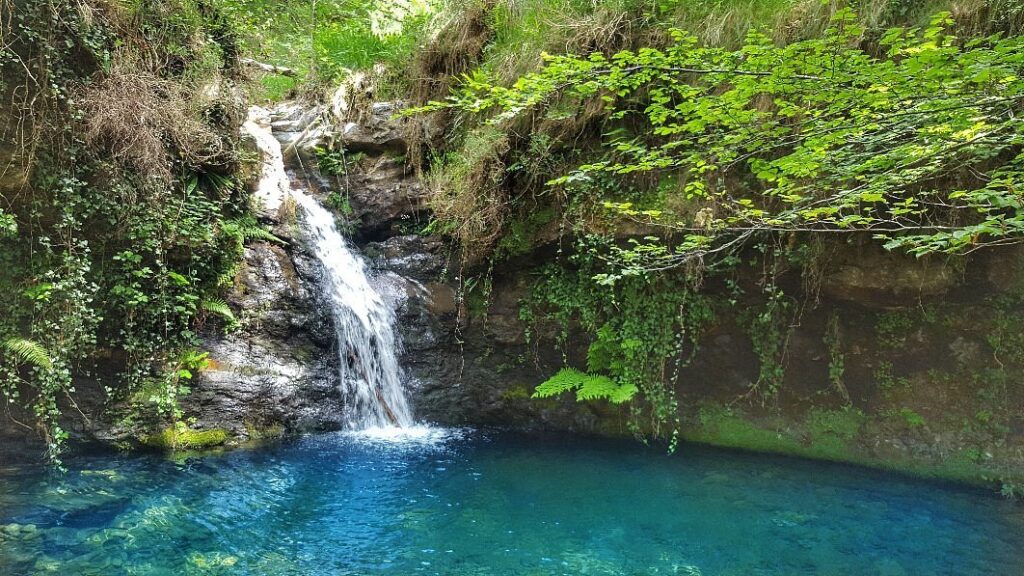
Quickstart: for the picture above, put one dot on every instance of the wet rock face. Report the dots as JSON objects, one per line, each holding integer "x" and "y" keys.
{"x": 384, "y": 197}
{"x": 869, "y": 276}
{"x": 418, "y": 257}
{"x": 382, "y": 194}
{"x": 280, "y": 368}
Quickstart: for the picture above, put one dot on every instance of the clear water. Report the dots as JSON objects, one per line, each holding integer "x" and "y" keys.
{"x": 434, "y": 502}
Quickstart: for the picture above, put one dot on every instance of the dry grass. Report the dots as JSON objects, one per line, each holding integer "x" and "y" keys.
{"x": 459, "y": 34}
{"x": 144, "y": 122}
{"x": 455, "y": 46}
{"x": 149, "y": 110}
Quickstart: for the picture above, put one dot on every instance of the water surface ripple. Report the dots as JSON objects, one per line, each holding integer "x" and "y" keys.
{"x": 488, "y": 503}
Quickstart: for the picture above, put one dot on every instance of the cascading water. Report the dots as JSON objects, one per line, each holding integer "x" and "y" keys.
{"x": 367, "y": 346}
{"x": 371, "y": 379}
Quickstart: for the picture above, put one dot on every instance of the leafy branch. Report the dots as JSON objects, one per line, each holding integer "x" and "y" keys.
{"x": 919, "y": 145}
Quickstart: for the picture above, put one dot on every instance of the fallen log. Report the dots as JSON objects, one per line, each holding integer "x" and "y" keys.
{"x": 271, "y": 68}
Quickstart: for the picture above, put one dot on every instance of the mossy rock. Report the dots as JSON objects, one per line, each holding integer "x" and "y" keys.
{"x": 264, "y": 432}
{"x": 517, "y": 392}
{"x": 176, "y": 438}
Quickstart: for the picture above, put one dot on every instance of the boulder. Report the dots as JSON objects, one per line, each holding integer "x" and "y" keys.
{"x": 422, "y": 258}
{"x": 377, "y": 132}
{"x": 385, "y": 197}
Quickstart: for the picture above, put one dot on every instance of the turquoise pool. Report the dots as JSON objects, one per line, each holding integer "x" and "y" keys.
{"x": 493, "y": 503}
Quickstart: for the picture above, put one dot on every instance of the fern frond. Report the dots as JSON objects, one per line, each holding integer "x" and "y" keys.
{"x": 595, "y": 388}
{"x": 566, "y": 379}
{"x": 587, "y": 387}
{"x": 28, "y": 352}
{"x": 260, "y": 233}
{"x": 249, "y": 229}
{"x": 623, "y": 393}
{"x": 220, "y": 183}
{"x": 220, "y": 308}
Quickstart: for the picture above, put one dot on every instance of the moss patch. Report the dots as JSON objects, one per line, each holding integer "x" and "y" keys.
{"x": 264, "y": 432}
{"x": 184, "y": 438}
{"x": 840, "y": 436}
{"x": 518, "y": 392}
{"x": 722, "y": 426}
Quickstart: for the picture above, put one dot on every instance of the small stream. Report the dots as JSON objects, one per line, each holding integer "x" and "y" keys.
{"x": 489, "y": 503}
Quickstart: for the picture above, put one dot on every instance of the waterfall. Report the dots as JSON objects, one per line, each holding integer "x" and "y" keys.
{"x": 367, "y": 346}
{"x": 370, "y": 377}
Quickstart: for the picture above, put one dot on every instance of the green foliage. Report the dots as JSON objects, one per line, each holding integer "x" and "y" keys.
{"x": 130, "y": 218}
{"x": 520, "y": 235}
{"x": 28, "y": 352}
{"x": 340, "y": 202}
{"x": 644, "y": 329}
{"x": 817, "y": 135}
{"x": 336, "y": 162}
{"x": 220, "y": 307}
{"x": 181, "y": 437}
{"x": 893, "y": 328}
{"x": 887, "y": 380}
{"x": 8, "y": 225}
{"x": 586, "y": 386}
{"x": 1006, "y": 336}
{"x": 912, "y": 138}
{"x": 247, "y": 228}
{"x": 769, "y": 334}
{"x": 836, "y": 358}
{"x": 912, "y": 418}
{"x": 324, "y": 41}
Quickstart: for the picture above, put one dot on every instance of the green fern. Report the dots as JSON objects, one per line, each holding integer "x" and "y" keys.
{"x": 260, "y": 233}
{"x": 220, "y": 308}
{"x": 8, "y": 226}
{"x": 28, "y": 352}
{"x": 220, "y": 184}
{"x": 249, "y": 229}
{"x": 587, "y": 387}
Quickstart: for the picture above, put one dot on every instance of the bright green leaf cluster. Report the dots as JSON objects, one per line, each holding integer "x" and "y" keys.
{"x": 918, "y": 143}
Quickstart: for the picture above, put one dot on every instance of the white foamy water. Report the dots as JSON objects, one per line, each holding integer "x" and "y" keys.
{"x": 417, "y": 435}
{"x": 367, "y": 346}
{"x": 370, "y": 377}
{"x": 273, "y": 183}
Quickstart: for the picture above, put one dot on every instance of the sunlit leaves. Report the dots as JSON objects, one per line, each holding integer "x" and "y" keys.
{"x": 816, "y": 135}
